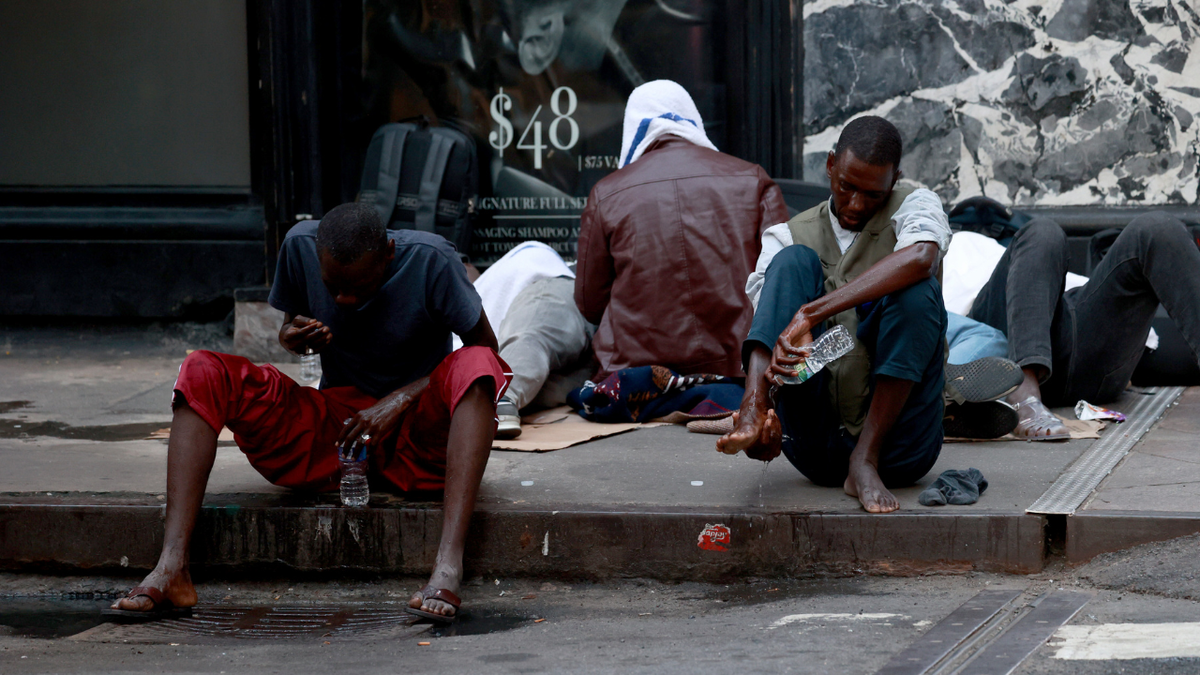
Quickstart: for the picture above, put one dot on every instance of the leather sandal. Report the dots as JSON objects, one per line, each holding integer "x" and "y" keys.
{"x": 163, "y": 608}
{"x": 445, "y": 596}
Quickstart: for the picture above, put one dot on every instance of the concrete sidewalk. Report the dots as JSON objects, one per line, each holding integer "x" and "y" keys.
{"x": 84, "y": 488}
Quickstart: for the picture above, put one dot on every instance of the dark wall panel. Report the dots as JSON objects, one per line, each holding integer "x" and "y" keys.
{"x": 124, "y": 92}
{"x": 124, "y": 278}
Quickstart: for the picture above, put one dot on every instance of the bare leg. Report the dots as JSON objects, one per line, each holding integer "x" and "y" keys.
{"x": 468, "y": 447}
{"x": 756, "y": 429}
{"x": 190, "y": 455}
{"x": 891, "y": 393}
{"x": 1035, "y": 421}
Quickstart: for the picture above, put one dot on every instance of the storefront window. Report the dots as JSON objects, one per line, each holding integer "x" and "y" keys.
{"x": 541, "y": 86}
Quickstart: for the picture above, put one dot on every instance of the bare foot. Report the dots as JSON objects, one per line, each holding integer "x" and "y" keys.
{"x": 756, "y": 430}
{"x": 864, "y": 483}
{"x": 176, "y": 586}
{"x": 445, "y": 578}
{"x": 1037, "y": 423}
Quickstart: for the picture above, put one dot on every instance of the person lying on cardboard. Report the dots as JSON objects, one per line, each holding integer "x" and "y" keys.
{"x": 1084, "y": 343}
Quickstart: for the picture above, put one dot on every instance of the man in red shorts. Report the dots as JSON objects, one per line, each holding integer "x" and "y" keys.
{"x": 379, "y": 307}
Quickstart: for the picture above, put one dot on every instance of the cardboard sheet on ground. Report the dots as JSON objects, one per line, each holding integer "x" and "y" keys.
{"x": 1079, "y": 429}
{"x": 559, "y": 428}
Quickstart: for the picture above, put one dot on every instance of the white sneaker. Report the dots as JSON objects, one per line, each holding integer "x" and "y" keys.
{"x": 510, "y": 419}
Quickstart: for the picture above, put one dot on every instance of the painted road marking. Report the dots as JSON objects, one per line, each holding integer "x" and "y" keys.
{"x": 1113, "y": 641}
{"x": 832, "y": 618}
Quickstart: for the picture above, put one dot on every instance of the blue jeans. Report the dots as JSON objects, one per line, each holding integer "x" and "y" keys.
{"x": 970, "y": 340}
{"x": 904, "y": 334}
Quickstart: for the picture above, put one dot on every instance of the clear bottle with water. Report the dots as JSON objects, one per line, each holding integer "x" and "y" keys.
{"x": 310, "y": 366}
{"x": 353, "y": 460}
{"x": 833, "y": 344}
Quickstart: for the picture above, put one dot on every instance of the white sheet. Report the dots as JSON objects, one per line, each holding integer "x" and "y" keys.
{"x": 526, "y": 263}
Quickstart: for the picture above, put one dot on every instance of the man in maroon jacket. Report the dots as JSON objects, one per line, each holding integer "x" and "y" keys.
{"x": 667, "y": 241}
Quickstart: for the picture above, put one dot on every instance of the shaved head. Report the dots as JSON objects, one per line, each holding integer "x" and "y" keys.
{"x": 872, "y": 139}
{"x": 350, "y": 231}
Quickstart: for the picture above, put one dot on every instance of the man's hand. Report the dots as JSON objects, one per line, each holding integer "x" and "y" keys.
{"x": 377, "y": 422}
{"x": 786, "y": 356}
{"x": 301, "y": 333}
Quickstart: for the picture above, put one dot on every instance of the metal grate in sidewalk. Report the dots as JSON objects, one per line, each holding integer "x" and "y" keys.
{"x": 1081, "y": 478}
{"x": 264, "y": 623}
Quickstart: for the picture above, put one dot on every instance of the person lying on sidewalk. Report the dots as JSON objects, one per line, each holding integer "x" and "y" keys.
{"x": 1084, "y": 343}
{"x": 379, "y": 307}
{"x": 867, "y": 260}
{"x": 528, "y": 297}
{"x": 667, "y": 240}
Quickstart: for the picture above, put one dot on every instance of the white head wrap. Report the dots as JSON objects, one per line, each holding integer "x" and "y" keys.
{"x": 656, "y": 109}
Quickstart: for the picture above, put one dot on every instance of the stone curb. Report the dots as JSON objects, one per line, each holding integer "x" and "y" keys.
{"x": 1090, "y": 533}
{"x": 568, "y": 543}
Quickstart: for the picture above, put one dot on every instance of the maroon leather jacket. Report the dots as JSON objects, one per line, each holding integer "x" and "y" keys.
{"x": 665, "y": 247}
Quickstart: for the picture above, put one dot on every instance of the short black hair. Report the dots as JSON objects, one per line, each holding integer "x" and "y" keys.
{"x": 350, "y": 231}
{"x": 872, "y": 139}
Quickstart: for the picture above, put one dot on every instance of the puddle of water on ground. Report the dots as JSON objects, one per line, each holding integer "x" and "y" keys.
{"x": 49, "y": 618}
{"x": 481, "y": 624}
{"x": 9, "y": 406}
{"x": 111, "y": 432}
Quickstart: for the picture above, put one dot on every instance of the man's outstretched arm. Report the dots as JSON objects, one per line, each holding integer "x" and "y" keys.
{"x": 382, "y": 418}
{"x": 897, "y": 271}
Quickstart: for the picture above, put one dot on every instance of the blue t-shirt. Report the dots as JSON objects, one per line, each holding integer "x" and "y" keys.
{"x": 399, "y": 335}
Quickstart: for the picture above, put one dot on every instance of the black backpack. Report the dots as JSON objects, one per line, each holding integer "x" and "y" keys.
{"x": 987, "y": 217}
{"x": 423, "y": 178}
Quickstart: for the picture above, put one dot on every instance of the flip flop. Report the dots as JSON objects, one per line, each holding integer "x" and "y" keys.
{"x": 163, "y": 608}
{"x": 1042, "y": 418}
{"x": 439, "y": 594}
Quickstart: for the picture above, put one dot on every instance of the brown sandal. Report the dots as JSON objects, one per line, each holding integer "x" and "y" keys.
{"x": 438, "y": 594}
{"x": 163, "y": 608}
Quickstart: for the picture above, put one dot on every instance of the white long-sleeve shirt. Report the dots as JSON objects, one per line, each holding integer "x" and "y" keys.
{"x": 919, "y": 218}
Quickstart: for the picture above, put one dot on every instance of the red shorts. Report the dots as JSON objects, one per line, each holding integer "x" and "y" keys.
{"x": 289, "y": 432}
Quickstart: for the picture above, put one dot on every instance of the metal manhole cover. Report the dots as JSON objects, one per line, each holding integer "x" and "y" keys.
{"x": 265, "y": 623}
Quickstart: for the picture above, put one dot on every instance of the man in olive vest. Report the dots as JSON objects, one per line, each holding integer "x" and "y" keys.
{"x": 867, "y": 260}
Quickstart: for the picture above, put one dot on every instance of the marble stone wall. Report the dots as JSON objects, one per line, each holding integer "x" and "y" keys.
{"x": 1046, "y": 102}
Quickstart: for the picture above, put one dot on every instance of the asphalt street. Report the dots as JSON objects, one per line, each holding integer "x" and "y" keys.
{"x": 843, "y": 625}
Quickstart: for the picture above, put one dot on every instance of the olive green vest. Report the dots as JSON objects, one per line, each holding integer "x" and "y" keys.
{"x": 849, "y": 384}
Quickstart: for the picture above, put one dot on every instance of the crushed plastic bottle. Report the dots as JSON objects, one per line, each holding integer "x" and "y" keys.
{"x": 833, "y": 344}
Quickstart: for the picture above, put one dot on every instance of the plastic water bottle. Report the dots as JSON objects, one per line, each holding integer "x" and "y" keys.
{"x": 833, "y": 344}
{"x": 310, "y": 366}
{"x": 353, "y": 460}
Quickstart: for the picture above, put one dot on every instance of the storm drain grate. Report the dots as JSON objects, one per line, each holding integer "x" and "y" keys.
{"x": 1078, "y": 482}
{"x": 265, "y": 623}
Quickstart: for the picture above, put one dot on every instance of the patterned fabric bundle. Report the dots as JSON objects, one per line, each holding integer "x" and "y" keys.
{"x": 651, "y": 392}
